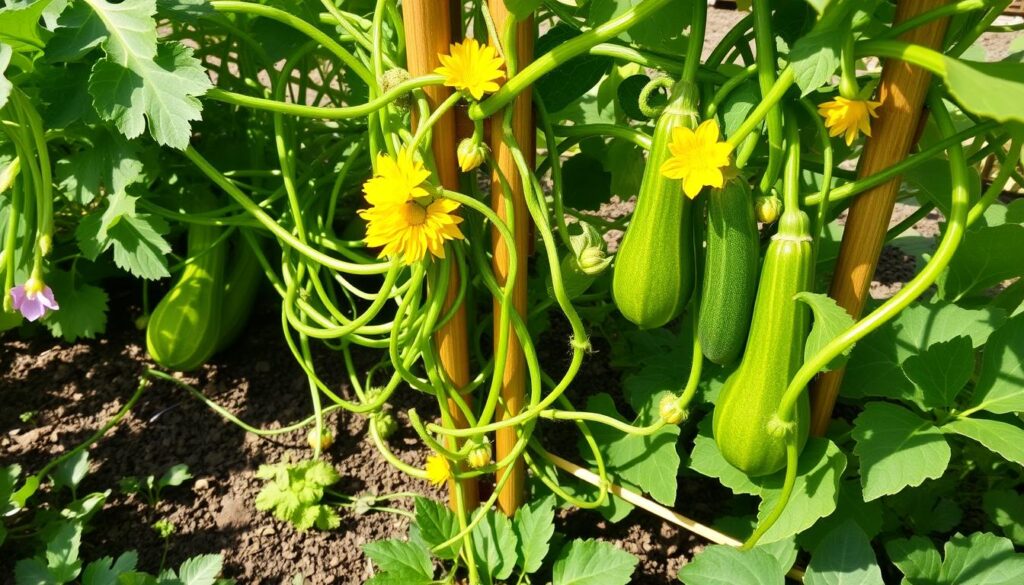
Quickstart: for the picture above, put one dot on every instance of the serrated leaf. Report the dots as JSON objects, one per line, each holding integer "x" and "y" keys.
{"x": 897, "y": 449}
{"x": 940, "y": 371}
{"x": 81, "y": 30}
{"x": 534, "y": 524}
{"x": 1002, "y": 438}
{"x": 844, "y": 557}
{"x": 200, "y": 570}
{"x": 815, "y": 58}
{"x": 650, "y": 462}
{"x": 107, "y": 163}
{"x": 728, "y": 565}
{"x": 136, "y": 238}
{"x": 83, "y": 308}
{"x": 916, "y": 558}
{"x": 19, "y": 25}
{"x": 401, "y": 558}
{"x": 1006, "y": 510}
{"x": 592, "y": 562}
{"x": 830, "y": 320}
{"x": 106, "y": 571}
{"x": 437, "y": 524}
{"x": 981, "y": 559}
{"x": 1000, "y": 386}
{"x": 493, "y": 543}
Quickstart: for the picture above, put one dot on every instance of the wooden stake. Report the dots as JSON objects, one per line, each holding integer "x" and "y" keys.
{"x": 514, "y": 381}
{"x": 428, "y": 32}
{"x": 902, "y": 92}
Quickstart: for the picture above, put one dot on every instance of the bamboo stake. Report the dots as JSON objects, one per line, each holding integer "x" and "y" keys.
{"x": 902, "y": 91}
{"x": 657, "y": 509}
{"x": 514, "y": 382}
{"x": 428, "y": 32}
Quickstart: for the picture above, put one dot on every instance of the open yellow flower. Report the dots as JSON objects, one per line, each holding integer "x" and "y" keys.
{"x": 411, "y": 228}
{"x": 849, "y": 117}
{"x": 698, "y": 157}
{"x": 397, "y": 179}
{"x": 472, "y": 68}
{"x": 438, "y": 470}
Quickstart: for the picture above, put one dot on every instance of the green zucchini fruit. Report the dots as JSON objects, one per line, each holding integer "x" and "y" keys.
{"x": 730, "y": 272}
{"x": 743, "y": 421}
{"x": 184, "y": 328}
{"x": 653, "y": 276}
{"x": 241, "y": 283}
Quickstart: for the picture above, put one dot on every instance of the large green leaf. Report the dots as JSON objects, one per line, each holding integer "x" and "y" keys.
{"x": 662, "y": 30}
{"x": 983, "y": 261}
{"x": 844, "y": 557}
{"x": 436, "y": 524}
{"x": 1003, "y": 438}
{"x": 1006, "y": 510}
{"x": 830, "y": 320}
{"x": 727, "y": 565}
{"x": 494, "y": 546}
{"x": 916, "y": 558}
{"x": 136, "y": 238}
{"x": 402, "y": 559}
{"x": 106, "y": 163}
{"x": 534, "y": 524}
{"x": 941, "y": 371}
{"x": 1000, "y": 386}
{"x": 200, "y": 570}
{"x": 897, "y": 449}
{"x": 572, "y": 79}
{"x": 992, "y": 90}
{"x": 20, "y": 25}
{"x": 815, "y": 58}
{"x": 981, "y": 559}
{"x": 592, "y": 562}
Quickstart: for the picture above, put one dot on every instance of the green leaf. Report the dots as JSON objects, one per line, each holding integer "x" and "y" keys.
{"x": 5, "y": 85}
{"x": 815, "y": 58}
{"x": 727, "y": 565}
{"x": 1000, "y": 387}
{"x": 592, "y": 562}
{"x": 572, "y": 79}
{"x": 176, "y": 475}
{"x": 19, "y": 25}
{"x": 83, "y": 308}
{"x": 897, "y": 449}
{"x": 162, "y": 90}
{"x": 71, "y": 471}
{"x": 849, "y": 506}
{"x": 941, "y": 371}
{"x": 105, "y": 571}
{"x": 585, "y": 182}
{"x": 137, "y": 238}
{"x": 981, "y": 559}
{"x": 999, "y": 437}
{"x": 401, "y": 558}
{"x": 106, "y": 163}
{"x": 62, "y": 552}
{"x": 1006, "y": 510}
{"x": 844, "y": 557}
{"x": 1003, "y": 91}
{"x": 916, "y": 558}
{"x": 200, "y": 570}
{"x": 534, "y": 524}
{"x": 493, "y": 546}
{"x": 738, "y": 105}
{"x": 522, "y": 8}
{"x": 650, "y": 462}
{"x": 625, "y": 163}
{"x": 80, "y": 31}
{"x": 975, "y": 269}
{"x": 830, "y": 320}
{"x": 663, "y": 29}
{"x": 33, "y": 572}
{"x": 437, "y": 524}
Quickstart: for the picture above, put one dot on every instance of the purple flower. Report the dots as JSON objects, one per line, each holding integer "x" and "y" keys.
{"x": 33, "y": 299}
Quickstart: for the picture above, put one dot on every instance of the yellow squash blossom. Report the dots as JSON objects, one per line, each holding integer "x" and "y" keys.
{"x": 698, "y": 157}
{"x": 412, "y": 228}
{"x": 472, "y": 68}
{"x": 438, "y": 470}
{"x": 397, "y": 180}
{"x": 849, "y": 117}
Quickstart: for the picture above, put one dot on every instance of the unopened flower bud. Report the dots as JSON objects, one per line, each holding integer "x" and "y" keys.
{"x": 323, "y": 440}
{"x": 472, "y": 153}
{"x": 671, "y": 411}
{"x": 391, "y": 79}
{"x": 768, "y": 208}
{"x": 45, "y": 242}
{"x": 385, "y": 423}
{"x": 593, "y": 260}
{"x": 480, "y": 455}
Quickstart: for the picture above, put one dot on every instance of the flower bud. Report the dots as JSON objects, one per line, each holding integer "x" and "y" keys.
{"x": 472, "y": 153}
{"x": 480, "y": 455}
{"x": 593, "y": 260}
{"x": 767, "y": 208}
{"x": 45, "y": 242}
{"x": 141, "y": 322}
{"x": 671, "y": 411}
{"x": 323, "y": 440}
{"x": 385, "y": 424}
{"x": 391, "y": 79}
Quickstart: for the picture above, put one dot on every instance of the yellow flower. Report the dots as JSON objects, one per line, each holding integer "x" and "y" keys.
{"x": 850, "y": 117}
{"x": 397, "y": 180}
{"x": 438, "y": 470}
{"x": 410, "y": 228}
{"x": 471, "y": 67}
{"x": 698, "y": 157}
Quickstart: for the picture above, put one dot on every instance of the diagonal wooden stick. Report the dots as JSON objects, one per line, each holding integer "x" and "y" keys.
{"x": 902, "y": 92}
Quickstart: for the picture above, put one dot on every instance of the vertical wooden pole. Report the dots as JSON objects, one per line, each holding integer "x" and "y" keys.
{"x": 902, "y": 92}
{"x": 514, "y": 381}
{"x": 428, "y": 32}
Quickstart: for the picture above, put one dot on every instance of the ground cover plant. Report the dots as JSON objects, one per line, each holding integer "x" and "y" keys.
{"x": 421, "y": 188}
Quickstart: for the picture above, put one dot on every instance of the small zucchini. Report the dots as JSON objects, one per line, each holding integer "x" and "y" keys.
{"x": 241, "y": 283}
{"x": 653, "y": 276}
{"x": 730, "y": 272}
